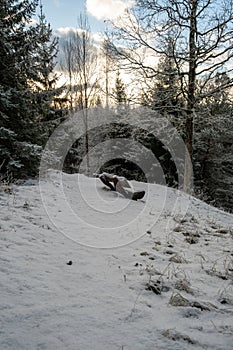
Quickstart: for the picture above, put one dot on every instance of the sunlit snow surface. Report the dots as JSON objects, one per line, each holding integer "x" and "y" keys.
{"x": 118, "y": 248}
{"x": 101, "y": 218}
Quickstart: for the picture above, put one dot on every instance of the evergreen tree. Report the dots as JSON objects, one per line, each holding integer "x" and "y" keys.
{"x": 165, "y": 96}
{"x": 213, "y": 145}
{"x": 24, "y": 64}
{"x": 45, "y": 91}
{"x": 119, "y": 91}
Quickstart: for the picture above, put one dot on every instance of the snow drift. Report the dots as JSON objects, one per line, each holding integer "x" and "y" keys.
{"x": 84, "y": 268}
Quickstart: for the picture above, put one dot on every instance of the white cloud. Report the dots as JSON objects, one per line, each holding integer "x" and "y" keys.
{"x": 65, "y": 30}
{"x": 108, "y": 9}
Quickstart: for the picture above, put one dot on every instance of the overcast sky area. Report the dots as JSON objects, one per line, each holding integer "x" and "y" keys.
{"x": 65, "y": 13}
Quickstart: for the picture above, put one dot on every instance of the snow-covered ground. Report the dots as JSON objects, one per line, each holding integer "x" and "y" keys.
{"x": 145, "y": 275}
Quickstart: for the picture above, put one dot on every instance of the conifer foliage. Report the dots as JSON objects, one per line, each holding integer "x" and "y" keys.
{"x": 27, "y": 91}
{"x": 119, "y": 91}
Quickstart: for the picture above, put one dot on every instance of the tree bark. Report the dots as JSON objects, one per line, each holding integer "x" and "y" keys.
{"x": 191, "y": 97}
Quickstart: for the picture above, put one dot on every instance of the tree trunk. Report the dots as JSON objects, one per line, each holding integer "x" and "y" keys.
{"x": 86, "y": 129}
{"x": 191, "y": 97}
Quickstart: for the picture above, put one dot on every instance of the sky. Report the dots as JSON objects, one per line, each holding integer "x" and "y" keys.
{"x": 65, "y": 13}
{"x": 63, "y": 16}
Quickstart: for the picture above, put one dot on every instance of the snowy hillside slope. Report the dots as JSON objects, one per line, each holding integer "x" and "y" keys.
{"x": 83, "y": 268}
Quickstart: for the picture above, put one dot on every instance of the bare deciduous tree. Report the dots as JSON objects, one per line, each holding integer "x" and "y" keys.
{"x": 202, "y": 47}
{"x": 80, "y": 63}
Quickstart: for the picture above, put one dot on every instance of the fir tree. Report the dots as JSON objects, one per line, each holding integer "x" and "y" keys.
{"x": 23, "y": 65}
{"x": 119, "y": 91}
{"x": 44, "y": 84}
{"x": 165, "y": 96}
